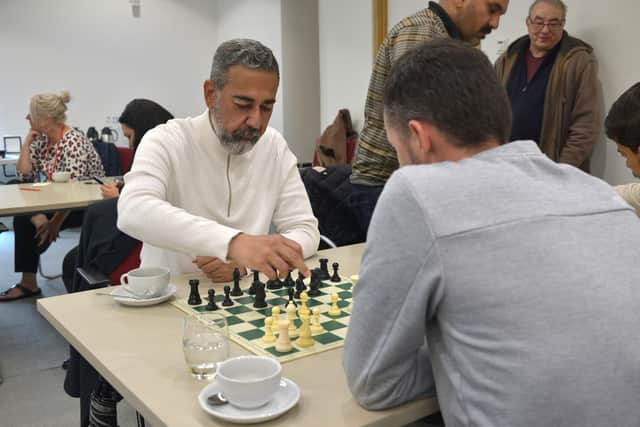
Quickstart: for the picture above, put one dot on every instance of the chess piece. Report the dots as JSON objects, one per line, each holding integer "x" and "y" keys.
{"x": 324, "y": 269}
{"x": 291, "y": 300}
{"x": 334, "y": 311}
{"x": 316, "y": 328}
{"x": 314, "y": 285}
{"x": 236, "y": 292}
{"x": 275, "y": 314}
{"x": 212, "y": 306}
{"x": 300, "y": 286}
{"x": 274, "y": 284}
{"x": 304, "y": 310}
{"x": 305, "y": 339}
{"x": 291, "y": 317}
{"x": 283, "y": 345}
{"x": 227, "y": 298}
{"x": 335, "y": 277}
{"x": 254, "y": 284}
{"x": 268, "y": 336}
{"x": 261, "y": 296}
{"x": 288, "y": 281}
{"x": 194, "y": 295}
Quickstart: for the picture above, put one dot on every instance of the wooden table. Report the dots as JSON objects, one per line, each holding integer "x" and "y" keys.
{"x": 139, "y": 351}
{"x": 31, "y": 198}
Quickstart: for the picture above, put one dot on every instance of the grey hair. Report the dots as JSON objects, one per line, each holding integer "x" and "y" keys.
{"x": 50, "y": 105}
{"x": 246, "y": 52}
{"x": 557, "y": 3}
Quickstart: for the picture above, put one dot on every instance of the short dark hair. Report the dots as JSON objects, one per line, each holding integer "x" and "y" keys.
{"x": 454, "y": 87}
{"x": 623, "y": 121}
{"x": 246, "y": 52}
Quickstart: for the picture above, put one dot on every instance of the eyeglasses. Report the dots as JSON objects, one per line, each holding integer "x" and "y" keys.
{"x": 539, "y": 24}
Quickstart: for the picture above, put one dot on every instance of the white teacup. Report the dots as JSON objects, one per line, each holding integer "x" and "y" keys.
{"x": 61, "y": 176}
{"x": 146, "y": 282}
{"x": 249, "y": 381}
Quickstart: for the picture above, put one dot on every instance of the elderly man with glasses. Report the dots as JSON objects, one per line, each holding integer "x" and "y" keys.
{"x": 553, "y": 86}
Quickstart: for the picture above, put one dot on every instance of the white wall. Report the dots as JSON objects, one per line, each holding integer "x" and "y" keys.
{"x": 259, "y": 20}
{"x": 104, "y": 56}
{"x": 345, "y": 57}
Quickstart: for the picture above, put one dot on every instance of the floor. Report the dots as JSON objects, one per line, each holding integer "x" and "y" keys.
{"x": 31, "y": 351}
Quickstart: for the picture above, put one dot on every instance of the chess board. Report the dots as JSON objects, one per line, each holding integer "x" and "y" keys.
{"x": 246, "y": 323}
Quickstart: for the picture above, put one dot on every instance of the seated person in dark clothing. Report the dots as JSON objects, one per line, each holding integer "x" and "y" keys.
{"x": 139, "y": 116}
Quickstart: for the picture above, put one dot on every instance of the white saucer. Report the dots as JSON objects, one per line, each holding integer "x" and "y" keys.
{"x": 121, "y": 295}
{"x": 284, "y": 399}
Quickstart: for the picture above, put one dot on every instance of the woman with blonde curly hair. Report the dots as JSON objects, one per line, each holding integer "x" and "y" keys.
{"x": 50, "y": 146}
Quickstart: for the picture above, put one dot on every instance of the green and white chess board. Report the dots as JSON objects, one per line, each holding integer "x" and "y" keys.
{"x": 246, "y": 323}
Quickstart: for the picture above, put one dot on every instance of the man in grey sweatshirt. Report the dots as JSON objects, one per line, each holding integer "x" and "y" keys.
{"x": 508, "y": 283}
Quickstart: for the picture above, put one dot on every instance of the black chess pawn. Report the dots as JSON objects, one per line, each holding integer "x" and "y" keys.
{"x": 288, "y": 281}
{"x": 261, "y": 296}
{"x": 300, "y": 283}
{"x": 291, "y": 296}
{"x": 194, "y": 295}
{"x": 274, "y": 284}
{"x": 324, "y": 269}
{"x": 335, "y": 277}
{"x": 227, "y": 297}
{"x": 212, "y": 303}
{"x": 236, "y": 292}
{"x": 314, "y": 284}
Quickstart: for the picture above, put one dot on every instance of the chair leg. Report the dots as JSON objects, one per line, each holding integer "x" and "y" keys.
{"x": 140, "y": 419}
{"x": 43, "y": 274}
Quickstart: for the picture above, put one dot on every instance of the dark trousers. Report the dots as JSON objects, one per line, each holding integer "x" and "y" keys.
{"x": 27, "y": 252}
{"x": 362, "y": 201}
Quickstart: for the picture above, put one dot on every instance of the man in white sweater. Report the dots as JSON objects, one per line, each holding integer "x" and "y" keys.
{"x": 204, "y": 191}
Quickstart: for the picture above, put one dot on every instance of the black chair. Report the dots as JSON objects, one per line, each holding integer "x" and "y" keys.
{"x": 11, "y": 145}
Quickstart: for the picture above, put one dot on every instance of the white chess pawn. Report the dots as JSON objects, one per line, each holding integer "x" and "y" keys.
{"x": 291, "y": 317}
{"x": 304, "y": 310}
{"x": 283, "y": 345}
{"x": 334, "y": 311}
{"x": 305, "y": 339}
{"x": 268, "y": 336}
{"x": 316, "y": 328}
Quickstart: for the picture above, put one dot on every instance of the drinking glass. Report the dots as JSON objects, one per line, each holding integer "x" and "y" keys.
{"x": 205, "y": 342}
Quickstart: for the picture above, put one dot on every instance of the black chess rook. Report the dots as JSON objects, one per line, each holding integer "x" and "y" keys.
{"x": 194, "y": 294}
{"x": 261, "y": 296}
{"x": 324, "y": 269}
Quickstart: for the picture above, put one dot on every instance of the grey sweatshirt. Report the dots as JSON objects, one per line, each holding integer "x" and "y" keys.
{"x": 521, "y": 275}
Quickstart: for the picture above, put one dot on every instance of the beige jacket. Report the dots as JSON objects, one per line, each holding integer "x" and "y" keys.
{"x": 572, "y": 120}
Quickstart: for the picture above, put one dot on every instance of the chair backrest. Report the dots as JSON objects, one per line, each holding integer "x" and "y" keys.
{"x": 126, "y": 158}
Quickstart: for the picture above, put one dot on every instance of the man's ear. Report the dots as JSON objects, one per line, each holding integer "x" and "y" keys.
{"x": 209, "y": 93}
{"x": 420, "y": 135}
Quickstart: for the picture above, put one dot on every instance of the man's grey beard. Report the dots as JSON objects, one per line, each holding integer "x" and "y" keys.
{"x": 237, "y": 142}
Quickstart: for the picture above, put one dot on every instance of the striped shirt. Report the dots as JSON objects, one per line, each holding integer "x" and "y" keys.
{"x": 375, "y": 159}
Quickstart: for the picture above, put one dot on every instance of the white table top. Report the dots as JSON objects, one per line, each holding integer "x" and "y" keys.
{"x": 31, "y": 198}
{"x": 138, "y": 350}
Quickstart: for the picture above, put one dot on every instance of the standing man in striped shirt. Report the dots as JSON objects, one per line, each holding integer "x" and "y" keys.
{"x": 375, "y": 159}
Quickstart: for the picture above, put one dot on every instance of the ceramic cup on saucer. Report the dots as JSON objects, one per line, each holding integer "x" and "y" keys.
{"x": 61, "y": 176}
{"x": 146, "y": 282}
{"x": 249, "y": 381}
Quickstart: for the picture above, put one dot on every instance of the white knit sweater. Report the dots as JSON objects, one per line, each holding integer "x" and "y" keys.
{"x": 186, "y": 196}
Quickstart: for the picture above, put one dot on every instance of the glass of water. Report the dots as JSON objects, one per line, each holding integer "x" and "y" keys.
{"x": 205, "y": 342}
